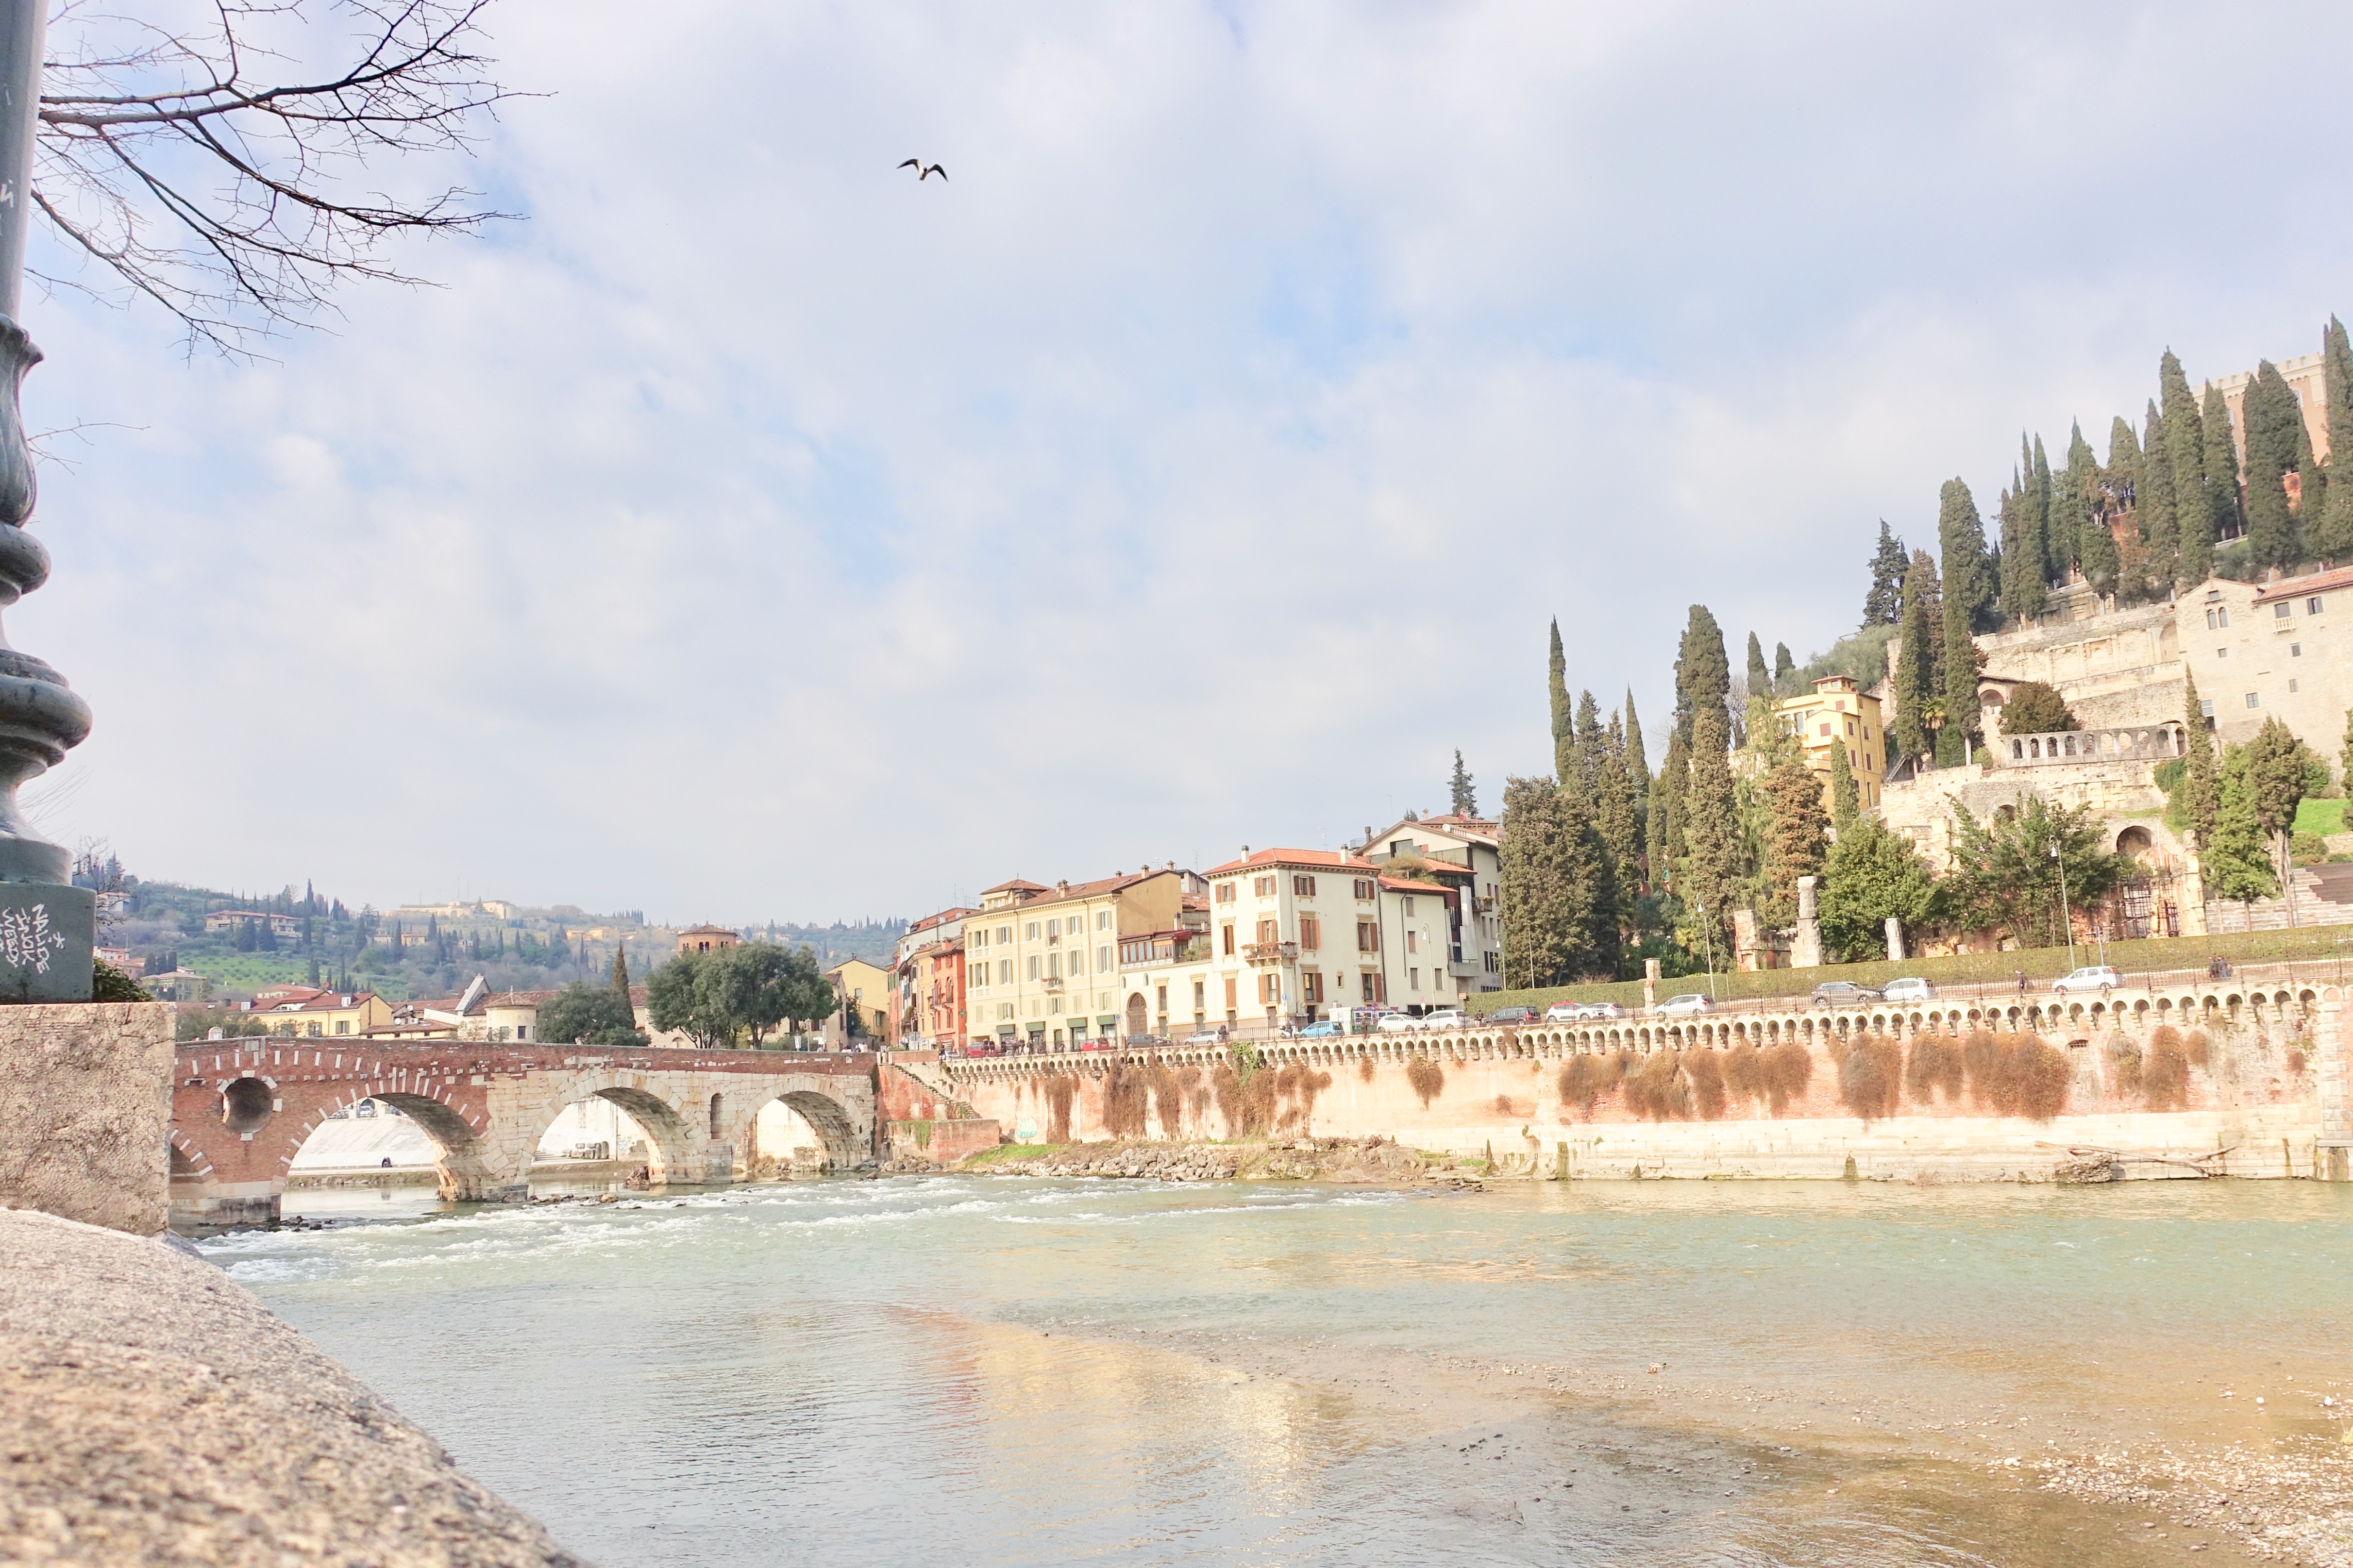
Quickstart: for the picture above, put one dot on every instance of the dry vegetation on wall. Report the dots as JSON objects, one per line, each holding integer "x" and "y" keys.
{"x": 1659, "y": 1089}
{"x": 1126, "y": 1109}
{"x": 1428, "y": 1080}
{"x": 1936, "y": 1067}
{"x": 1870, "y": 1075}
{"x": 1059, "y": 1089}
{"x": 2194, "y": 1044}
{"x": 1587, "y": 1078}
{"x": 1365, "y": 1069}
{"x": 2165, "y": 1077}
{"x": 2017, "y": 1075}
{"x": 2124, "y": 1063}
{"x": 2295, "y": 1064}
{"x": 1777, "y": 1074}
{"x": 1168, "y": 1095}
{"x": 1303, "y": 1083}
{"x": 1706, "y": 1075}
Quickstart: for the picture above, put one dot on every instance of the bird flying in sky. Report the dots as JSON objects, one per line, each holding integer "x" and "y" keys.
{"x": 922, "y": 174}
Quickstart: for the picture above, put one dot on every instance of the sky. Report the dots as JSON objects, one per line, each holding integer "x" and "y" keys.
{"x": 749, "y": 531}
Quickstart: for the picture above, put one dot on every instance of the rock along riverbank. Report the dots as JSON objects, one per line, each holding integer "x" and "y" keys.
{"x": 1355, "y": 1162}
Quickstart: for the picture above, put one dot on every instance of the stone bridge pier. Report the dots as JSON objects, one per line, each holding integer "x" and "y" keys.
{"x": 242, "y": 1108}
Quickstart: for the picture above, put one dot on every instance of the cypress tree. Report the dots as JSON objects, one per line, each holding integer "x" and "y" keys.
{"x": 2122, "y": 474}
{"x": 2096, "y": 547}
{"x": 1884, "y": 604}
{"x": 2153, "y": 509}
{"x": 1544, "y": 912}
{"x": 1915, "y": 657}
{"x": 1588, "y": 739}
{"x": 2023, "y": 595}
{"x": 2198, "y": 788}
{"x": 1619, "y": 827}
{"x": 2273, "y": 421}
{"x": 1845, "y": 799}
{"x": 2312, "y": 500}
{"x": 1563, "y": 718}
{"x": 2232, "y": 856}
{"x": 2185, "y": 451}
{"x": 1760, "y": 678}
{"x": 1794, "y": 845}
{"x": 1703, "y": 672}
{"x": 1667, "y": 810}
{"x": 2332, "y": 538}
{"x": 2054, "y": 548}
{"x": 2221, "y": 467}
{"x": 620, "y": 969}
{"x": 1464, "y": 799}
{"x": 1711, "y": 825}
{"x": 1962, "y": 534}
{"x": 1638, "y": 760}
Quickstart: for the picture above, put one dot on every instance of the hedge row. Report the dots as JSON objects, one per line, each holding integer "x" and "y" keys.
{"x": 2151, "y": 955}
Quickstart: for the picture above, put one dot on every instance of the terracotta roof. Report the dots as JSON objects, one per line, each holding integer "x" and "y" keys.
{"x": 708, "y": 931}
{"x": 1016, "y": 886}
{"x": 1407, "y": 884}
{"x": 318, "y": 1002}
{"x": 2295, "y": 587}
{"x": 518, "y": 998}
{"x": 944, "y": 917}
{"x": 1319, "y": 859}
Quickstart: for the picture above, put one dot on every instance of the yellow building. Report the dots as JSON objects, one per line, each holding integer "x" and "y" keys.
{"x": 867, "y": 987}
{"x": 308, "y": 1013}
{"x": 1046, "y": 966}
{"x": 1839, "y": 715}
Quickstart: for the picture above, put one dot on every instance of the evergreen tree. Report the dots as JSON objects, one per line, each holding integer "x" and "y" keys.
{"x": 2273, "y": 422}
{"x": 1588, "y": 742}
{"x": 1794, "y": 844}
{"x": 1916, "y": 654}
{"x": 2023, "y": 594}
{"x": 2221, "y": 467}
{"x": 1872, "y": 874}
{"x": 2198, "y": 793}
{"x": 620, "y": 966}
{"x": 1845, "y": 799}
{"x": 1465, "y": 799}
{"x": 1884, "y": 604}
{"x": 2312, "y": 502}
{"x": 2233, "y": 858}
{"x": 1563, "y": 718}
{"x": 1962, "y": 534}
{"x": 1785, "y": 669}
{"x": 1548, "y": 897}
{"x": 1619, "y": 827}
{"x": 1760, "y": 678}
{"x": 2038, "y": 485}
{"x": 1638, "y": 760}
{"x": 1667, "y": 811}
{"x": 1718, "y": 861}
{"x": 2331, "y": 538}
{"x": 2153, "y": 509}
{"x": 2122, "y": 475}
{"x": 2185, "y": 452}
{"x": 2094, "y": 546}
{"x": 1703, "y": 673}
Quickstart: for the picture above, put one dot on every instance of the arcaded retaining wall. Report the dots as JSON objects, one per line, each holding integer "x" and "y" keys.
{"x": 152, "y": 1412}
{"x": 2241, "y": 1082}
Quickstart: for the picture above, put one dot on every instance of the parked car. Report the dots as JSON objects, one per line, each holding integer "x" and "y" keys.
{"x": 1683, "y": 1006}
{"x": 1323, "y": 1029}
{"x": 2091, "y": 977}
{"x": 1830, "y": 993}
{"x": 984, "y": 1048}
{"x": 1563, "y": 1012}
{"x": 1446, "y": 1018}
{"x": 1396, "y": 1024}
{"x": 1512, "y": 1016}
{"x": 1595, "y": 1011}
{"x": 1911, "y": 988}
{"x": 1204, "y": 1037}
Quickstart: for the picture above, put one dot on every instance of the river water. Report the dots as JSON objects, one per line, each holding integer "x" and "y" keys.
{"x": 1009, "y": 1371}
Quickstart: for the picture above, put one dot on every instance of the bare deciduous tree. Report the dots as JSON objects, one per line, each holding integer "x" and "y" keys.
{"x": 217, "y": 162}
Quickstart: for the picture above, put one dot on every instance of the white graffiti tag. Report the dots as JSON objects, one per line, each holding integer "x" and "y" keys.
{"x": 26, "y": 939}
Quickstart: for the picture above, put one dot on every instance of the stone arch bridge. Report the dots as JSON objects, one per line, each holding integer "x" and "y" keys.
{"x": 241, "y": 1109}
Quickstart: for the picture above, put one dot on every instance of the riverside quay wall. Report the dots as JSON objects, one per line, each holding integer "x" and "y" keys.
{"x": 2245, "y": 1080}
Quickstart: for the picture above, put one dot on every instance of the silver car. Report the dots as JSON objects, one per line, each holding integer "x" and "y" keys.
{"x": 2091, "y": 977}
{"x": 1685, "y": 1006}
{"x": 1911, "y": 989}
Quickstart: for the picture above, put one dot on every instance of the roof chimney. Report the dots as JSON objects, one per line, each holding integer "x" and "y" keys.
{"x": 1246, "y": 850}
{"x": 1172, "y": 864}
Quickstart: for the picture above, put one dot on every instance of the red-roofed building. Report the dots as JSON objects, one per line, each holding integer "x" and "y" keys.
{"x": 1465, "y": 853}
{"x": 927, "y": 997}
{"x": 308, "y": 1013}
{"x": 1041, "y": 964}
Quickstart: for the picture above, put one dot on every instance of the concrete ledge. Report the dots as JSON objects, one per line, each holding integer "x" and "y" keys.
{"x": 86, "y": 1112}
{"x": 150, "y": 1410}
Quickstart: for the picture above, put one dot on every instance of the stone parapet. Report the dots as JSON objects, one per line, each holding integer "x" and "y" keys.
{"x": 153, "y": 1412}
{"x": 86, "y": 1112}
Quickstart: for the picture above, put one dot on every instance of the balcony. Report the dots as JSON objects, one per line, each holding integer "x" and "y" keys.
{"x": 1052, "y": 983}
{"x": 1142, "y": 954}
{"x": 1270, "y": 951}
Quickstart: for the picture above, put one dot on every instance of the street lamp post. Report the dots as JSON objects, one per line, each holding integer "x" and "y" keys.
{"x": 47, "y": 926}
{"x": 2065, "y": 919}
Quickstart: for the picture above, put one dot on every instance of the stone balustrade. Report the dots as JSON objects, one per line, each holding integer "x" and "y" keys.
{"x": 2145, "y": 742}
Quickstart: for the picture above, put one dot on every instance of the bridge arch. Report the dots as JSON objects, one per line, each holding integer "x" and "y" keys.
{"x": 845, "y": 1147}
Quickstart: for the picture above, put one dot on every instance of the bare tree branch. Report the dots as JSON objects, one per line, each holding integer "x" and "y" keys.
{"x": 170, "y": 162}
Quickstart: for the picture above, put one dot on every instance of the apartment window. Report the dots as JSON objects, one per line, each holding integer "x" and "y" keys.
{"x": 1200, "y": 994}
{"x": 1003, "y": 935}
{"x": 1269, "y": 992}
{"x": 1826, "y": 729}
{"x": 1033, "y": 966}
{"x": 1368, "y": 986}
{"x": 1228, "y": 931}
{"x": 1409, "y": 904}
{"x": 2253, "y": 701}
{"x": 2293, "y": 687}
{"x": 1103, "y": 920}
{"x": 342, "y": 1026}
{"x": 1850, "y": 726}
{"x": 314, "y": 1031}
{"x": 1413, "y": 976}
{"x": 1005, "y": 1009}
{"x": 1310, "y": 988}
{"x": 1053, "y": 965}
{"x": 2296, "y": 650}
{"x": 1262, "y": 886}
{"x": 1269, "y": 931}
{"x": 1162, "y": 996}
{"x": 1033, "y": 932}
{"x": 1303, "y": 886}
{"x": 1005, "y": 972}
{"x": 2283, "y": 610}
{"x": 1364, "y": 889}
{"x": 1851, "y": 759}
{"x": 1224, "y": 892}
{"x": 1866, "y": 731}
{"x": 2217, "y": 617}
{"x": 2205, "y": 708}
{"x": 1368, "y": 937}
{"x": 1229, "y": 998}
{"x": 1413, "y": 942}
{"x": 2222, "y": 653}
{"x": 1310, "y": 934}
{"x": 2312, "y": 606}
{"x": 1103, "y": 960}
{"x": 980, "y": 937}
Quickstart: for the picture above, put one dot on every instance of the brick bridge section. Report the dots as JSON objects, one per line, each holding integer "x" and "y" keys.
{"x": 241, "y": 1108}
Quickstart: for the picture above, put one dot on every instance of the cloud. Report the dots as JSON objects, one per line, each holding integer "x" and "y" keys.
{"x": 753, "y": 531}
